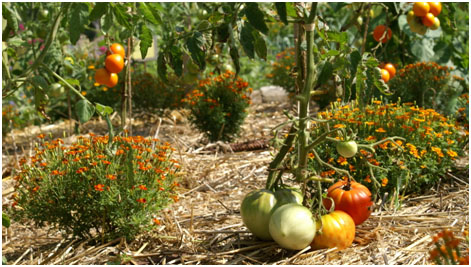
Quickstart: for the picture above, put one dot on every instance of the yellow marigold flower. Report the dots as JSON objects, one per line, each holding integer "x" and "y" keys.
{"x": 91, "y": 67}
{"x": 342, "y": 161}
{"x": 311, "y": 155}
{"x": 96, "y": 84}
{"x": 370, "y": 123}
{"x": 377, "y": 102}
{"x": 438, "y": 151}
{"x": 449, "y": 141}
{"x": 83, "y": 93}
{"x": 380, "y": 130}
{"x": 105, "y": 89}
{"x": 452, "y": 153}
{"x": 370, "y": 138}
{"x": 419, "y": 120}
{"x": 339, "y": 126}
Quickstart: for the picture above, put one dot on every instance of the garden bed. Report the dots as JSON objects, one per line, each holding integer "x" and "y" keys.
{"x": 205, "y": 226}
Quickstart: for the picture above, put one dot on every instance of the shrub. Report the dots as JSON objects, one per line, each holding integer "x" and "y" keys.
{"x": 150, "y": 91}
{"x": 432, "y": 144}
{"x": 218, "y": 105}
{"x": 281, "y": 69}
{"x": 92, "y": 187}
{"x": 427, "y": 84}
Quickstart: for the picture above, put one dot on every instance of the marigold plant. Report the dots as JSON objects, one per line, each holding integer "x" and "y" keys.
{"x": 428, "y": 84}
{"x": 281, "y": 69}
{"x": 92, "y": 187}
{"x": 218, "y": 105}
{"x": 433, "y": 142}
{"x": 447, "y": 250}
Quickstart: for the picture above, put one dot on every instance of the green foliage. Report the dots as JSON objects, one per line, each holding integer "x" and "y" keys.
{"x": 218, "y": 105}
{"x": 151, "y": 93}
{"x": 95, "y": 187}
{"x": 429, "y": 85}
{"x": 432, "y": 144}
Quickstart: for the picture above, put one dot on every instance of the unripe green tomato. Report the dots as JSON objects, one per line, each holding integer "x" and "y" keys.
{"x": 257, "y": 207}
{"x": 56, "y": 90}
{"x": 43, "y": 14}
{"x": 360, "y": 20}
{"x": 292, "y": 226}
{"x": 347, "y": 149}
{"x": 228, "y": 67}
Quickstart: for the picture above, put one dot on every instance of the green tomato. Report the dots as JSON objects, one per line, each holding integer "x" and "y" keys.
{"x": 256, "y": 210}
{"x": 347, "y": 149}
{"x": 43, "y": 14}
{"x": 56, "y": 90}
{"x": 258, "y": 206}
{"x": 292, "y": 226}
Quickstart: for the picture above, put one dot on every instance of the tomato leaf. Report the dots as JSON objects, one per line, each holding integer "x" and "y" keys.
{"x": 235, "y": 58}
{"x": 247, "y": 40}
{"x": 326, "y": 73}
{"x": 355, "y": 58}
{"x": 103, "y": 110}
{"x": 78, "y": 18}
{"x": 12, "y": 22}
{"x": 145, "y": 35}
{"x": 107, "y": 22}
{"x": 281, "y": 10}
{"x": 148, "y": 15}
{"x": 162, "y": 66}
{"x": 98, "y": 10}
{"x": 84, "y": 110}
{"x": 122, "y": 16}
{"x": 176, "y": 60}
{"x": 195, "y": 45}
{"x": 260, "y": 46}
{"x": 338, "y": 37}
{"x": 256, "y": 17}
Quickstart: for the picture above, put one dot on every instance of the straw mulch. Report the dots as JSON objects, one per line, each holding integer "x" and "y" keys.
{"x": 205, "y": 226}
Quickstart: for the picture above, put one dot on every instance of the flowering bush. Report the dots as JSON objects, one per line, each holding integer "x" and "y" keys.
{"x": 218, "y": 105}
{"x": 281, "y": 69}
{"x": 93, "y": 187}
{"x": 447, "y": 249}
{"x": 432, "y": 144}
{"x": 428, "y": 84}
{"x": 151, "y": 92}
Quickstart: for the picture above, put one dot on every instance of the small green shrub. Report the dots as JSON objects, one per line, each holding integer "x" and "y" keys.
{"x": 218, "y": 106}
{"x": 281, "y": 68}
{"x": 150, "y": 92}
{"x": 92, "y": 188}
{"x": 427, "y": 84}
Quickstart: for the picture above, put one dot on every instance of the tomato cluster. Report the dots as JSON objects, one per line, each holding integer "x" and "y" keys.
{"x": 388, "y": 71}
{"x": 424, "y": 15}
{"x": 114, "y": 64}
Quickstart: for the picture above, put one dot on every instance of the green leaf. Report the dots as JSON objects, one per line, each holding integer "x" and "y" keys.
{"x": 260, "y": 46}
{"x": 422, "y": 49}
{"x": 9, "y": 15}
{"x": 40, "y": 82}
{"x": 146, "y": 12}
{"x": 162, "y": 66}
{"x": 338, "y": 37}
{"x": 325, "y": 74}
{"x": 5, "y": 220}
{"x": 290, "y": 10}
{"x": 107, "y": 22}
{"x": 235, "y": 58}
{"x": 355, "y": 58}
{"x": 4, "y": 260}
{"x": 176, "y": 60}
{"x": 40, "y": 100}
{"x": 103, "y": 110}
{"x": 256, "y": 17}
{"x": 247, "y": 40}
{"x": 84, "y": 110}
{"x": 195, "y": 45}
{"x": 145, "y": 35}
{"x": 379, "y": 83}
{"x": 98, "y": 11}
{"x": 78, "y": 18}
{"x": 121, "y": 15}
{"x": 281, "y": 10}
{"x": 360, "y": 84}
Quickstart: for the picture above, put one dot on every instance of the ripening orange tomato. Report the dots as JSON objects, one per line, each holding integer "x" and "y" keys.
{"x": 428, "y": 20}
{"x": 114, "y": 63}
{"x": 379, "y": 31}
{"x": 391, "y": 69}
{"x": 118, "y": 49}
{"x": 113, "y": 81}
{"x": 102, "y": 76}
{"x": 385, "y": 75}
{"x": 435, "y": 8}
{"x": 421, "y": 8}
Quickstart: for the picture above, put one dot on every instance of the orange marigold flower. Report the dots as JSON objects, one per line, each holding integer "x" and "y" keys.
{"x": 141, "y": 200}
{"x": 311, "y": 155}
{"x": 380, "y": 130}
{"x": 342, "y": 161}
{"x": 384, "y": 182}
{"x": 452, "y": 153}
{"x": 367, "y": 179}
{"x": 337, "y": 126}
{"x": 142, "y": 187}
{"x": 41, "y": 136}
{"x": 111, "y": 176}
{"x": 156, "y": 221}
{"x": 99, "y": 187}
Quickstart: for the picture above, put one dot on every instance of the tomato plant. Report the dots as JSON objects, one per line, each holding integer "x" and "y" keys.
{"x": 352, "y": 198}
{"x": 336, "y": 229}
{"x": 292, "y": 226}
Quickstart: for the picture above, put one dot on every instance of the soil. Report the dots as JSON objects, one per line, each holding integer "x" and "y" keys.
{"x": 205, "y": 226}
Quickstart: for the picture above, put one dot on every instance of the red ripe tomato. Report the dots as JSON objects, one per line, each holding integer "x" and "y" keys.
{"x": 379, "y": 31}
{"x": 337, "y": 230}
{"x": 354, "y": 200}
{"x": 114, "y": 63}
